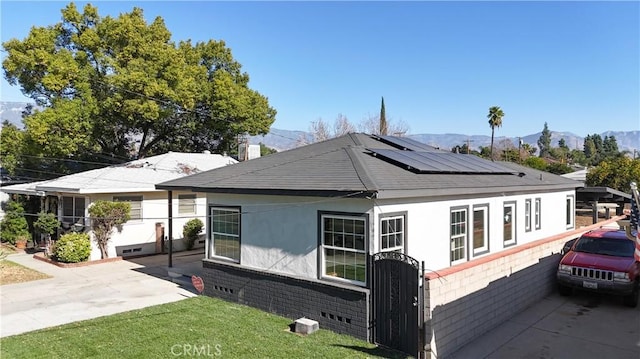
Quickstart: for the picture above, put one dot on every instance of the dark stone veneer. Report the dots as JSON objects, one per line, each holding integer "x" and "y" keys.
{"x": 336, "y": 307}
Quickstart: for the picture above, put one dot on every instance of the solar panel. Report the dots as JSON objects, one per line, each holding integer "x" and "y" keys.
{"x": 441, "y": 162}
{"x": 405, "y": 143}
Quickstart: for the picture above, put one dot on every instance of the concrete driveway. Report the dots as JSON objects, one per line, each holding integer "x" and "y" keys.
{"x": 81, "y": 293}
{"x": 584, "y": 326}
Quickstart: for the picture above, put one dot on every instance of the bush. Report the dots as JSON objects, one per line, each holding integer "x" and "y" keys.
{"x": 47, "y": 223}
{"x": 73, "y": 248}
{"x": 191, "y": 230}
{"x": 14, "y": 225}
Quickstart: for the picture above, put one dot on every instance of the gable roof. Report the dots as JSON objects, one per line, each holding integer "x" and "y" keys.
{"x": 136, "y": 176}
{"x": 346, "y": 166}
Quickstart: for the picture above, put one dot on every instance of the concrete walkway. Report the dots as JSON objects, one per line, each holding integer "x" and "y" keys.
{"x": 74, "y": 294}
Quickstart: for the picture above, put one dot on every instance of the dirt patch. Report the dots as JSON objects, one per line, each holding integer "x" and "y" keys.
{"x": 11, "y": 272}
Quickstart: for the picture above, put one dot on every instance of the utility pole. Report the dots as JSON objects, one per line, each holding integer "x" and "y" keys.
{"x": 468, "y": 145}
{"x": 520, "y": 142}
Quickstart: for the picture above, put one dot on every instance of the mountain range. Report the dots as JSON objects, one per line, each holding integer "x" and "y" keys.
{"x": 282, "y": 140}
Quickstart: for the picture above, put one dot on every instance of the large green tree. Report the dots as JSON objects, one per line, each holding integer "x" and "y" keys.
{"x": 616, "y": 173}
{"x": 495, "y": 120}
{"x": 120, "y": 86}
{"x": 383, "y": 119}
{"x": 544, "y": 142}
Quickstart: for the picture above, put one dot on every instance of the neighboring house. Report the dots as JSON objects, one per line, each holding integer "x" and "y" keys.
{"x": 297, "y": 232}
{"x": 70, "y": 196}
{"x": 6, "y": 180}
{"x": 579, "y": 175}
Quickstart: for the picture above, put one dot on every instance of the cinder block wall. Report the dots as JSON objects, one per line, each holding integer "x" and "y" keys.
{"x": 467, "y": 300}
{"x": 337, "y": 308}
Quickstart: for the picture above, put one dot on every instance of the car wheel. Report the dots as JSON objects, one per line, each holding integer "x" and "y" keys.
{"x": 631, "y": 300}
{"x": 564, "y": 290}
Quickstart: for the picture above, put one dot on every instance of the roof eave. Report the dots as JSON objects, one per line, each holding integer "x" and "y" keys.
{"x": 466, "y": 192}
{"x": 274, "y": 191}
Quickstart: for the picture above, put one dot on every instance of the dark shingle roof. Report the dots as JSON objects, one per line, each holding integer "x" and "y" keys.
{"x": 345, "y": 166}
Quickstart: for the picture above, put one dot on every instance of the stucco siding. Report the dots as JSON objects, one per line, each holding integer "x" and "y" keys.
{"x": 280, "y": 233}
{"x": 428, "y": 224}
{"x": 138, "y": 237}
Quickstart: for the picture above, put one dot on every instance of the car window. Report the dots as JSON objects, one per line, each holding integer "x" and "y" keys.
{"x": 605, "y": 246}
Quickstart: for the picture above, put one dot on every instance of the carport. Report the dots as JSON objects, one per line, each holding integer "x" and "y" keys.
{"x": 602, "y": 198}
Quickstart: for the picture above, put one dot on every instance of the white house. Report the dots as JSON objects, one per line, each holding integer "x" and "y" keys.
{"x": 297, "y": 232}
{"x": 70, "y": 196}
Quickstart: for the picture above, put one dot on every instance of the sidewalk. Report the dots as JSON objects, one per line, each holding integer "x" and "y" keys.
{"x": 81, "y": 293}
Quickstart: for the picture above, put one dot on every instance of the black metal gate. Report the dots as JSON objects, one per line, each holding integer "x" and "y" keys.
{"x": 395, "y": 301}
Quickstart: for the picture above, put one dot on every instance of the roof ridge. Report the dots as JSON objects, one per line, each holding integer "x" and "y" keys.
{"x": 361, "y": 170}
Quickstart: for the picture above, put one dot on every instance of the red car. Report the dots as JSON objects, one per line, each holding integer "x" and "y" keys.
{"x": 602, "y": 261}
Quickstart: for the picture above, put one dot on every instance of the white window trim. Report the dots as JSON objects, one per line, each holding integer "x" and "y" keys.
{"x": 212, "y": 249}
{"x": 513, "y": 239}
{"x": 570, "y": 221}
{"x": 485, "y": 248}
{"x": 527, "y": 215}
{"x": 323, "y": 262}
{"x": 538, "y": 213}
{"x": 464, "y": 236}
{"x": 402, "y": 231}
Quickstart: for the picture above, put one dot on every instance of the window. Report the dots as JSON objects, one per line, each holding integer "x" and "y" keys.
{"x": 225, "y": 232}
{"x": 392, "y": 234}
{"x": 186, "y": 203}
{"x": 136, "y": 205}
{"x": 344, "y": 247}
{"x": 527, "y": 215}
{"x": 537, "y": 213}
{"x": 480, "y": 229}
{"x": 73, "y": 210}
{"x": 508, "y": 223}
{"x": 458, "y": 236}
{"x": 570, "y": 212}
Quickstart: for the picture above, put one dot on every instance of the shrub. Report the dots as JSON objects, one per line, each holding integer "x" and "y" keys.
{"x": 191, "y": 230}
{"x": 47, "y": 223}
{"x": 105, "y": 216}
{"x": 73, "y": 248}
{"x": 14, "y": 225}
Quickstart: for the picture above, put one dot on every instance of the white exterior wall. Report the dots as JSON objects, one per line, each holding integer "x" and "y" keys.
{"x": 280, "y": 233}
{"x": 142, "y": 233}
{"x": 428, "y": 224}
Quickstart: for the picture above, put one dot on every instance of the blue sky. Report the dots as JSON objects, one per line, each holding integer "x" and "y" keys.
{"x": 439, "y": 65}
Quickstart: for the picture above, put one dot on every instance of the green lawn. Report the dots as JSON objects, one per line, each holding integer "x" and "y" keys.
{"x": 194, "y": 327}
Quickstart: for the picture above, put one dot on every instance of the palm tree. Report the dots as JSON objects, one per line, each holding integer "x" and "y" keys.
{"x": 495, "y": 120}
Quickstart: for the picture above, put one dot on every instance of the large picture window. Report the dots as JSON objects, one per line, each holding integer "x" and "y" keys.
{"x": 392, "y": 234}
{"x": 480, "y": 229}
{"x": 136, "y": 205}
{"x": 509, "y": 223}
{"x": 225, "y": 233}
{"x": 458, "y": 234}
{"x": 344, "y": 254}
